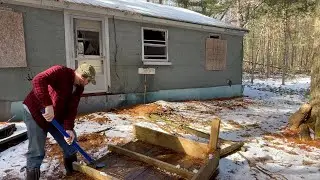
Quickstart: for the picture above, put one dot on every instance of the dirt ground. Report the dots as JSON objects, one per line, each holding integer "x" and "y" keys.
{"x": 95, "y": 141}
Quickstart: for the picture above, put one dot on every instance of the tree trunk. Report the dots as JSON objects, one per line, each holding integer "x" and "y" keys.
{"x": 293, "y": 55}
{"x": 297, "y": 118}
{"x": 301, "y": 58}
{"x": 285, "y": 56}
{"x": 268, "y": 54}
{"x": 253, "y": 64}
{"x": 263, "y": 54}
{"x": 315, "y": 78}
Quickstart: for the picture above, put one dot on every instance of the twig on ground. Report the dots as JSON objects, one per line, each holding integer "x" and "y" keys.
{"x": 263, "y": 170}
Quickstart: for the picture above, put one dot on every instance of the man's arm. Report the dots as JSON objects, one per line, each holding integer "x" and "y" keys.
{"x": 40, "y": 84}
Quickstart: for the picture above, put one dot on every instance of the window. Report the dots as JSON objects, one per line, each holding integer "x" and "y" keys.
{"x": 88, "y": 43}
{"x": 215, "y": 36}
{"x": 154, "y": 45}
{"x": 216, "y": 54}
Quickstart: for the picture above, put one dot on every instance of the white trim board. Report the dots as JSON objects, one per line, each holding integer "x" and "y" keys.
{"x": 166, "y": 45}
{"x": 69, "y": 42}
{"x": 50, "y": 4}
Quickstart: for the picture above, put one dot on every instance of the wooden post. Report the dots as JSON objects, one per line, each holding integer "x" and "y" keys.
{"x": 208, "y": 170}
{"x": 214, "y": 136}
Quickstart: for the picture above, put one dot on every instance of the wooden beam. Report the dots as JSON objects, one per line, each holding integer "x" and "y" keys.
{"x": 214, "y": 136}
{"x": 154, "y": 162}
{"x": 189, "y": 147}
{"x": 208, "y": 170}
{"x": 205, "y": 135}
{"x": 196, "y": 132}
{"x": 230, "y": 149}
{"x": 7, "y": 131}
{"x": 14, "y": 136}
{"x": 95, "y": 174}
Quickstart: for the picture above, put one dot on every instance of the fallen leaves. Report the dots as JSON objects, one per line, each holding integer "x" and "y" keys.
{"x": 141, "y": 110}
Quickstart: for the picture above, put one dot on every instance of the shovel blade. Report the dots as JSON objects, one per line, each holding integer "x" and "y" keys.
{"x": 100, "y": 165}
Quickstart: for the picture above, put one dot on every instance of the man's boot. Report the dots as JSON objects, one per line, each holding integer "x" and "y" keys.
{"x": 68, "y": 163}
{"x": 33, "y": 174}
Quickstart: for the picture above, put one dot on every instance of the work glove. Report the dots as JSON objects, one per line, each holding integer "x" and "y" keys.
{"x": 48, "y": 113}
{"x": 71, "y": 138}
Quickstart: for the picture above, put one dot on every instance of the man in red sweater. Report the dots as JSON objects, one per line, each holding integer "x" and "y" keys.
{"x": 57, "y": 91}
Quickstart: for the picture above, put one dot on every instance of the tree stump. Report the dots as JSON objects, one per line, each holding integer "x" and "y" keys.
{"x": 305, "y": 133}
{"x": 299, "y": 117}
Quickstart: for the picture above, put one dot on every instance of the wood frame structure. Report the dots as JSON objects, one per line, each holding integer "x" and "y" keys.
{"x": 208, "y": 152}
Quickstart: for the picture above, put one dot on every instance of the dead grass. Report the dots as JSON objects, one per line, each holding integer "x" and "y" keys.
{"x": 292, "y": 139}
{"x": 93, "y": 117}
{"x": 235, "y": 124}
{"x": 86, "y": 141}
{"x": 141, "y": 110}
{"x": 283, "y": 149}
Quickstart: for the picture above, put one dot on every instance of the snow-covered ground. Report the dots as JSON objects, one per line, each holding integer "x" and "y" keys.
{"x": 256, "y": 119}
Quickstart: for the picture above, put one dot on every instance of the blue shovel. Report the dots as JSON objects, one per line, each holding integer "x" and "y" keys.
{"x": 76, "y": 145}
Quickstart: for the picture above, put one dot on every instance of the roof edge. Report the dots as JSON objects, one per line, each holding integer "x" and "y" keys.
{"x": 125, "y": 15}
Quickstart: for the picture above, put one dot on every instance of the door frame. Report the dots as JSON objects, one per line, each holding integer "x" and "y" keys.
{"x": 69, "y": 17}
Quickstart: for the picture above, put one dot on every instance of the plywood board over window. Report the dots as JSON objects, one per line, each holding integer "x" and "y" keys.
{"x": 216, "y": 54}
{"x": 12, "y": 42}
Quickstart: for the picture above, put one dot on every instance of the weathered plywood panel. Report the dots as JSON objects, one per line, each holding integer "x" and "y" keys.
{"x": 216, "y": 54}
{"x": 12, "y": 42}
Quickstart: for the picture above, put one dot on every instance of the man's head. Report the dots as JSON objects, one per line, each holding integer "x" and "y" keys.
{"x": 85, "y": 74}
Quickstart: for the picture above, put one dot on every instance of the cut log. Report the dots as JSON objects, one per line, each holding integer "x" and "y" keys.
{"x": 231, "y": 149}
{"x": 297, "y": 118}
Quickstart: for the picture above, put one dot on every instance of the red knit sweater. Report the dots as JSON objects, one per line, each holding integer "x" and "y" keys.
{"x": 54, "y": 86}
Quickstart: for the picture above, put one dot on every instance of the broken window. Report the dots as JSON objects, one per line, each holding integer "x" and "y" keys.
{"x": 215, "y": 36}
{"x": 155, "y": 43}
{"x": 88, "y": 43}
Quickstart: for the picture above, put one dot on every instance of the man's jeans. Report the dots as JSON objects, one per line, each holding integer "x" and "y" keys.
{"x": 37, "y": 138}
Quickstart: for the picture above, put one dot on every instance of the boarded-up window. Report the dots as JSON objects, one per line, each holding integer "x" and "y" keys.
{"x": 12, "y": 43}
{"x": 216, "y": 54}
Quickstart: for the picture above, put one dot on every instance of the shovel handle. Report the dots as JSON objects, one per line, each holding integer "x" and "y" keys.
{"x": 56, "y": 124}
{"x": 74, "y": 143}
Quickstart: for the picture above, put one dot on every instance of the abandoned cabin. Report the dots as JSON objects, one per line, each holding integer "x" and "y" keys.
{"x": 142, "y": 52}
